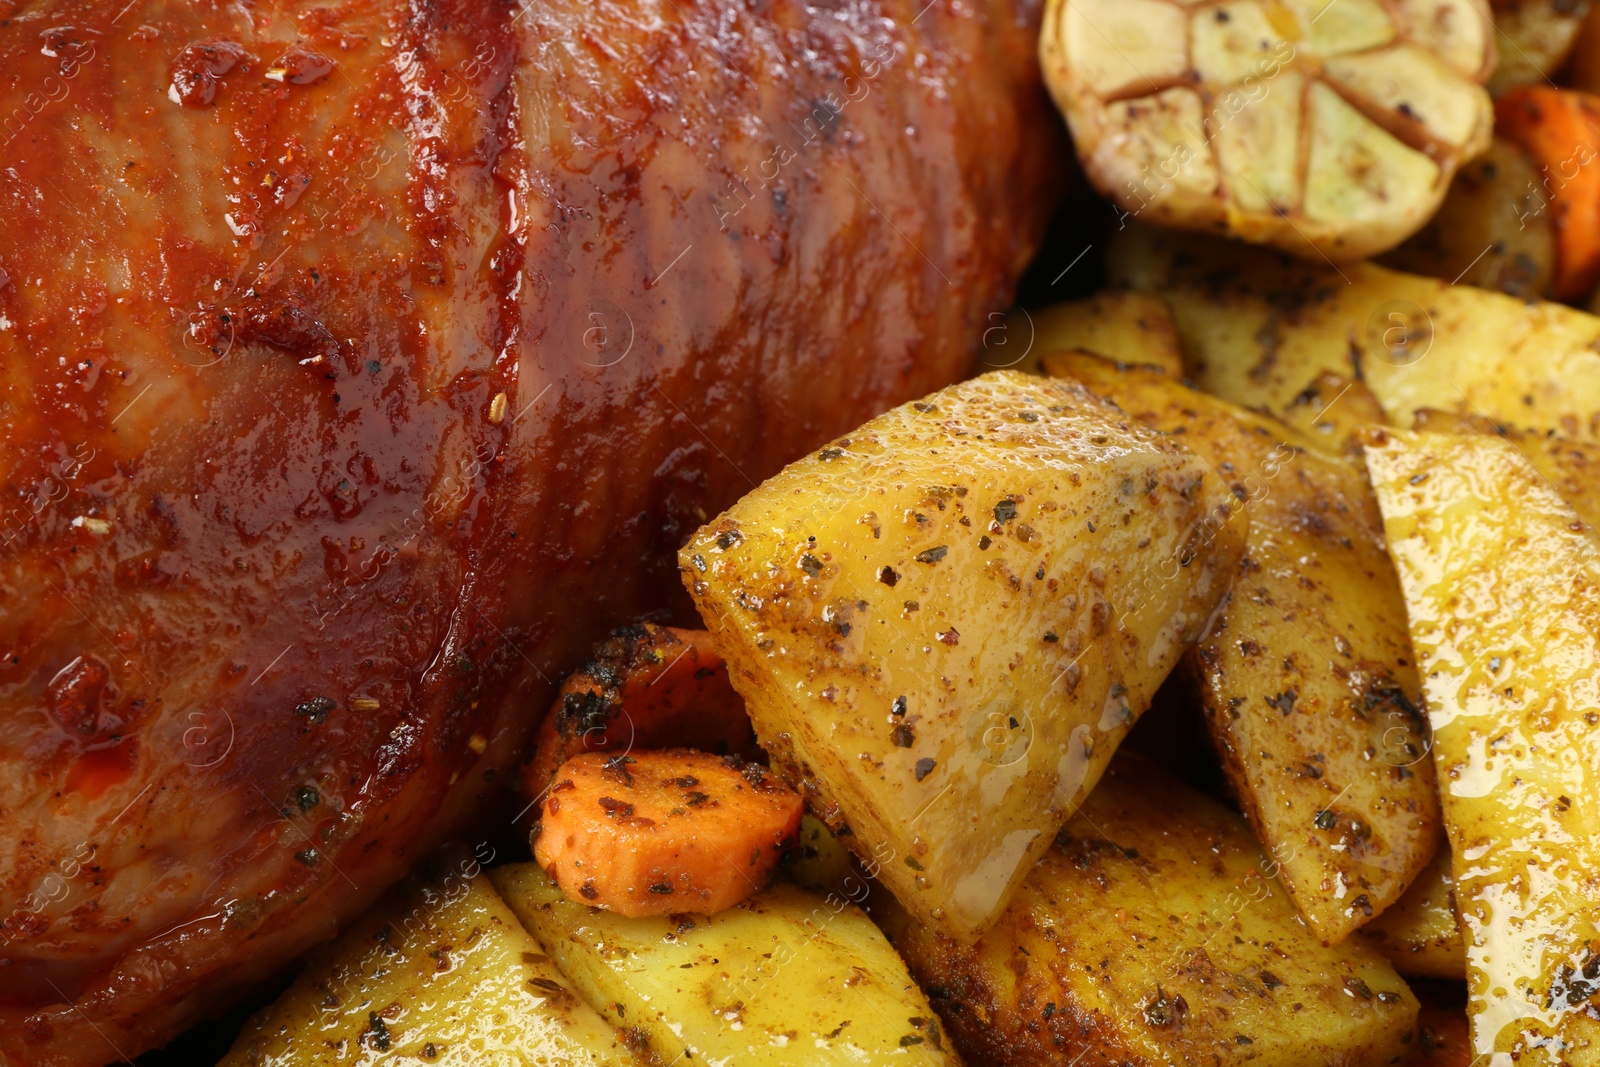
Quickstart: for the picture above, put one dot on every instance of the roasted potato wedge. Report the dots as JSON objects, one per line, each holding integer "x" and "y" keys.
{"x": 943, "y": 623}
{"x": 1258, "y": 327}
{"x": 1335, "y": 411}
{"x": 1534, "y": 39}
{"x": 1153, "y": 932}
{"x": 439, "y": 973}
{"x": 1571, "y": 467}
{"x": 1494, "y": 229}
{"x": 1118, "y": 324}
{"x": 1306, "y": 675}
{"x": 1502, "y": 587}
{"x": 786, "y": 977}
{"x": 1419, "y": 932}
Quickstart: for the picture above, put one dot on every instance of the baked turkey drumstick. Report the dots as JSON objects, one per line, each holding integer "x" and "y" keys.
{"x": 360, "y": 363}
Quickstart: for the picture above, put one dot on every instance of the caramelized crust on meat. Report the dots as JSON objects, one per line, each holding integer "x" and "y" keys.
{"x": 361, "y": 363}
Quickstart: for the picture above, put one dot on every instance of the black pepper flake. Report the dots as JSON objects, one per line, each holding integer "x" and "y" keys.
{"x": 661, "y": 889}
{"x": 932, "y": 555}
{"x": 903, "y": 736}
{"x": 1091, "y": 527}
{"x": 949, "y": 637}
{"x": 888, "y": 576}
{"x": 1284, "y": 701}
{"x": 898, "y": 707}
{"x": 1005, "y": 511}
{"x": 1354, "y": 986}
{"x": 308, "y": 856}
{"x": 984, "y": 543}
{"x": 316, "y": 709}
{"x": 828, "y": 454}
{"x": 379, "y": 1030}
{"x": 908, "y": 1040}
{"x": 1270, "y": 980}
{"x": 1326, "y": 819}
{"x": 616, "y": 807}
{"x": 1050, "y": 635}
{"x": 307, "y": 797}
{"x": 912, "y": 605}
{"x": 587, "y": 890}
{"x": 1389, "y": 997}
{"x": 688, "y": 781}
{"x": 728, "y": 538}
{"x": 1049, "y": 1008}
{"x": 811, "y": 564}
{"x": 925, "y": 767}
{"x": 695, "y": 799}
{"x": 924, "y": 408}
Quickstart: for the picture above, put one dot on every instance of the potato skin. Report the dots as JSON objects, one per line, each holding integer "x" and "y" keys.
{"x": 1537, "y": 36}
{"x": 943, "y": 624}
{"x": 1494, "y": 229}
{"x": 1306, "y": 676}
{"x": 1258, "y": 327}
{"x": 1152, "y": 932}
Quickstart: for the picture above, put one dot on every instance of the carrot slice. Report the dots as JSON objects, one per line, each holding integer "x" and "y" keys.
{"x": 645, "y": 687}
{"x": 1560, "y": 128}
{"x": 655, "y": 833}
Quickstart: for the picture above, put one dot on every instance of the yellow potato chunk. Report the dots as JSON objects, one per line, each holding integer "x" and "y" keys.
{"x": 1419, "y": 932}
{"x": 442, "y": 974}
{"x": 1129, "y": 327}
{"x": 1258, "y": 328}
{"x": 1502, "y": 588}
{"x": 943, "y": 623}
{"x": 785, "y": 979}
{"x": 1305, "y": 676}
{"x": 1153, "y": 933}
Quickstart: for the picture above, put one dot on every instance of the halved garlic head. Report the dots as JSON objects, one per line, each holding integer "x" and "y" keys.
{"x": 1316, "y": 126}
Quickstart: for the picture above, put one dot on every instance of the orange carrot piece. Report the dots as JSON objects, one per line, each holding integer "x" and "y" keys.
{"x": 645, "y": 687}
{"x": 1560, "y": 128}
{"x": 654, "y": 833}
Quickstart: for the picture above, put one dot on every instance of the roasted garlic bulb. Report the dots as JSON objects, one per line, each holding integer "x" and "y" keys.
{"x": 1317, "y": 126}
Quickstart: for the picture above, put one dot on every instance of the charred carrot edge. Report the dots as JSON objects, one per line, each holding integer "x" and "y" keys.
{"x": 659, "y": 833}
{"x": 1560, "y": 128}
{"x": 646, "y": 686}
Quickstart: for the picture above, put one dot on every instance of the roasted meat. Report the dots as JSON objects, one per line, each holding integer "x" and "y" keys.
{"x": 360, "y": 363}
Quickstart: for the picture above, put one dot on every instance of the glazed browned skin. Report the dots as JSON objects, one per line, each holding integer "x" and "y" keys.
{"x": 282, "y": 583}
